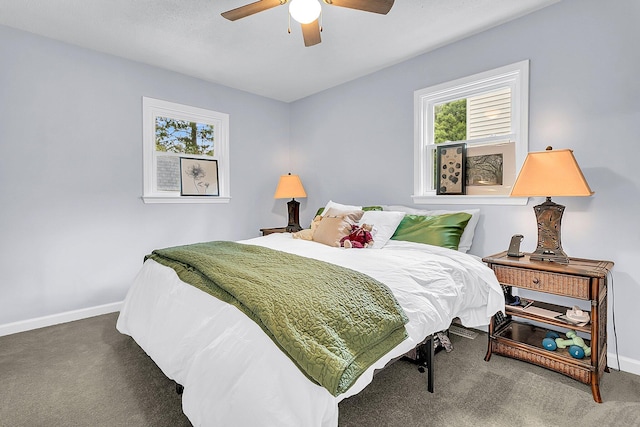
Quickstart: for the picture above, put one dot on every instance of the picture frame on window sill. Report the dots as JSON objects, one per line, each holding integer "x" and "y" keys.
{"x": 198, "y": 177}
{"x": 451, "y": 167}
{"x": 490, "y": 169}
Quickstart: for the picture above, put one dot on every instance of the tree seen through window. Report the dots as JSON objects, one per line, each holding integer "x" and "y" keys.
{"x": 182, "y": 136}
{"x": 450, "y": 121}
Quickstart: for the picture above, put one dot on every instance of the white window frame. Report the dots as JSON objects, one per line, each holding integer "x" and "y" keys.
{"x": 152, "y": 108}
{"x": 515, "y": 76}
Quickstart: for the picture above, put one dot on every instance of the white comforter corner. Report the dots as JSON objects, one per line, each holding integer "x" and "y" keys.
{"x": 234, "y": 375}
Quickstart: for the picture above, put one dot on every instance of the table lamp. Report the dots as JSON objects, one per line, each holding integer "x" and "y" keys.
{"x": 545, "y": 174}
{"x": 291, "y": 186}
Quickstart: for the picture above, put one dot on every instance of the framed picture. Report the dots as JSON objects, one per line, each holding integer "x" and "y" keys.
{"x": 198, "y": 177}
{"x": 451, "y": 167}
{"x": 490, "y": 169}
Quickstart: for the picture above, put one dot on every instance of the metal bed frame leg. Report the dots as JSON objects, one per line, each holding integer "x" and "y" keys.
{"x": 429, "y": 355}
{"x": 426, "y": 351}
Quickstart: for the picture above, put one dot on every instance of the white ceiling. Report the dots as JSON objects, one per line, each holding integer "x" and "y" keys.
{"x": 256, "y": 54}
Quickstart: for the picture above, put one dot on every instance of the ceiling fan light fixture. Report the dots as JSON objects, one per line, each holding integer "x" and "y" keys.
{"x": 304, "y": 11}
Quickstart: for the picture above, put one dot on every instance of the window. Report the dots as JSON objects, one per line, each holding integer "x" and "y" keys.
{"x": 489, "y": 113}
{"x": 174, "y": 131}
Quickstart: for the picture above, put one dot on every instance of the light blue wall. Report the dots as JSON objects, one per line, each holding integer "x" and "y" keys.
{"x": 355, "y": 142}
{"x": 73, "y": 228}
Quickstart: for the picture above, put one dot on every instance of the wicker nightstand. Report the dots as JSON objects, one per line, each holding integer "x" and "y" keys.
{"x": 581, "y": 279}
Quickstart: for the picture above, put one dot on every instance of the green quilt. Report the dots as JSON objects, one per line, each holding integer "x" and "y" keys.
{"x": 332, "y": 322}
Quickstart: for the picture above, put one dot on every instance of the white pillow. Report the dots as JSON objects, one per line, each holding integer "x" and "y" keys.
{"x": 384, "y": 224}
{"x": 467, "y": 235}
{"x": 340, "y": 207}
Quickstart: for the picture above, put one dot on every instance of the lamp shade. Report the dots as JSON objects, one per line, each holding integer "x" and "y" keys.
{"x": 289, "y": 186}
{"x": 551, "y": 173}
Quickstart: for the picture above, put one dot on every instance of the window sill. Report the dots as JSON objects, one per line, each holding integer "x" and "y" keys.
{"x": 185, "y": 199}
{"x": 469, "y": 200}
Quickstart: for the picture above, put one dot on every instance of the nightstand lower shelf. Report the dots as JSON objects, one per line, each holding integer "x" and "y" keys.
{"x": 524, "y": 342}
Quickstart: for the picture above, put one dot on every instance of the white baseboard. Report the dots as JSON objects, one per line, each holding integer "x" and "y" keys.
{"x": 56, "y": 319}
{"x": 626, "y": 364}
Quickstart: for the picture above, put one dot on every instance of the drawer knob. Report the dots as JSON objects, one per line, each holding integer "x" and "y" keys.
{"x": 536, "y": 281}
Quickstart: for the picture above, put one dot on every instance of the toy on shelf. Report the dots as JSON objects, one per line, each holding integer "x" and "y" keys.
{"x": 577, "y": 316}
{"x": 577, "y": 347}
{"x": 549, "y": 341}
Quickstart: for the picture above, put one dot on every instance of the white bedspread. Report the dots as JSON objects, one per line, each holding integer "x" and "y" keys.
{"x": 234, "y": 375}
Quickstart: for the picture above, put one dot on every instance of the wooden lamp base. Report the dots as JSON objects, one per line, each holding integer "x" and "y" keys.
{"x": 549, "y": 219}
{"x": 294, "y": 216}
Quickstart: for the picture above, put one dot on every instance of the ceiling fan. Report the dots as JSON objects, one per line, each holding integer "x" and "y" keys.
{"x": 307, "y": 12}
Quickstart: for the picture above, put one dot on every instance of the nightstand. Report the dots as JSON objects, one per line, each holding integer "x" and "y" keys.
{"x": 266, "y": 231}
{"x": 581, "y": 279}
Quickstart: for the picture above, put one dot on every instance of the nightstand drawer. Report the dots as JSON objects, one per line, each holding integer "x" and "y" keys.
{"x": 553, "y": 283}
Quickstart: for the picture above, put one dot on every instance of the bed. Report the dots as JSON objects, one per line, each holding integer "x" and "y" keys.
{"x": 234, "y": 374}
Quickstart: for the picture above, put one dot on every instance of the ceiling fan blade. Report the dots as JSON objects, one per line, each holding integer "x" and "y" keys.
{"x": 251, "y": 8}
{"x": 311, "y": 33}
{"x": 376, "y": 6}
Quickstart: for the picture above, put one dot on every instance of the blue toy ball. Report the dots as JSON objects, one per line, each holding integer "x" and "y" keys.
{"x": 550, "y": 344}
{"x": 576, "y": 351}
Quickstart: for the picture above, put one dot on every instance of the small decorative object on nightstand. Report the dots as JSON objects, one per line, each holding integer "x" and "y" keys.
{"x": 580, "y": 279}
{"x": 267, "y": 231}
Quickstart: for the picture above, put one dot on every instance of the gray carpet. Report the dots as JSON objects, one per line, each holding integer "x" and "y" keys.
{"x": 85, "y": 373}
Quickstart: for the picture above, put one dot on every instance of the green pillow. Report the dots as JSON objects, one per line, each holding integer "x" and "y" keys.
{"x": 372, "y": 208}
{"x": 364, "y": 208}
{"x": 441, "y": 230}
